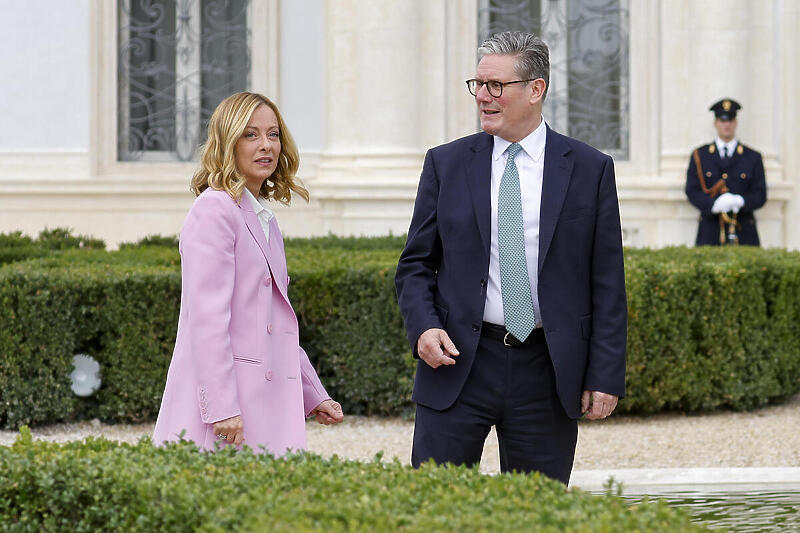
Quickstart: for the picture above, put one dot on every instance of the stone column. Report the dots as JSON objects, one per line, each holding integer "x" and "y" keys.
{"x": 387, "y": 102}
{"x": 789, "y": 113}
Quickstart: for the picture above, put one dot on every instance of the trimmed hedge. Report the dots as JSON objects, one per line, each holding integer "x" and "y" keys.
{"x": 708, "y": 328}
{"x": 99, "y": 485}
{"x": 712, "y": 327}
{"x": 15, "y": 246}
{"x": 122, "y": 315}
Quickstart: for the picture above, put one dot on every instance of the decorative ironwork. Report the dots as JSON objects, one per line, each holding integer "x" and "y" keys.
{"x": 177, "y": 60}
{"x": 588, "y": 40}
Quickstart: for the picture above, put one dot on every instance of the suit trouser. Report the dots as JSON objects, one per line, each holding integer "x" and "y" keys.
{"x": 512, "y": 388}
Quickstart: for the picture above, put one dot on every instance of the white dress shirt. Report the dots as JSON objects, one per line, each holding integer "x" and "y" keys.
{"x": 261, "y": 207}
{"x": 731, "y": 146}
{"x": 530, "y": 164}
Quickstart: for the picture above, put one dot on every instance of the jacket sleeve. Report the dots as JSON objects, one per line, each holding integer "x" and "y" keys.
{"x": 313, "y": 391}
{"x": 207, "y": 267}
{"x": 415, "y": 279}
{"x": 756, "y": 195}
{"x": 694, "y": 192}
{"x": 605, "y": 371}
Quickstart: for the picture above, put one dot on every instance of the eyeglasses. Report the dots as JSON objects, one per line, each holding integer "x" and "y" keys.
{"x": 494, "y": 87}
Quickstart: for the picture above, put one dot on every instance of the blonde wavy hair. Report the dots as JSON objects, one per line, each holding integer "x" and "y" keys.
{"x": 218, "y": 161}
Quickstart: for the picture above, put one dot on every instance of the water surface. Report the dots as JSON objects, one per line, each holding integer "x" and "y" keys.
{"x": 737, "y": 508}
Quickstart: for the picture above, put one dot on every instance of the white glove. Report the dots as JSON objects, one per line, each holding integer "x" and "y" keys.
{"x": 738, "y": 202}
{"x": 723, "y": 203}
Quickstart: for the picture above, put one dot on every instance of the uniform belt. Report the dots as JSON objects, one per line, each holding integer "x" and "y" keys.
{"x": 500, "y": 333}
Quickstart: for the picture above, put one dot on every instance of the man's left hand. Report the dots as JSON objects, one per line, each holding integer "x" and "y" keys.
{"x": 596, "y": 405}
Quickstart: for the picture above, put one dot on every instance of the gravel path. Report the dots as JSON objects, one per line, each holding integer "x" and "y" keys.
{"x": 766, "y": 437}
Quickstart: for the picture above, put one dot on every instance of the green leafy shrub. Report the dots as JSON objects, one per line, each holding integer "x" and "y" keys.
{"x": 15, "y": 239}
{"x": 122, "y": 314}
{"x": 351, "y": 326}
{"x": 21, "y": 253}
{"x": 99, "y": 485}
{"x": 711, "y": 327}
{"x": 62, "y": 238}
{"x": 708, "y": 328}
{"x": 393, "y": 243}
{"x": 15, "y": 246}
{"x": 168, "y": 241}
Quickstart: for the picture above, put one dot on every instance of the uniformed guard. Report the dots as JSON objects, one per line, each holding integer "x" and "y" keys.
{"x": 725, "y": 181}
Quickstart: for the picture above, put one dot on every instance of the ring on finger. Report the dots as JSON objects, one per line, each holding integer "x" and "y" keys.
{"x": 221, "y": 436}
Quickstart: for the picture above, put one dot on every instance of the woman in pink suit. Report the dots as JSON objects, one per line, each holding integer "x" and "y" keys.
{"x": 238, "y": 374}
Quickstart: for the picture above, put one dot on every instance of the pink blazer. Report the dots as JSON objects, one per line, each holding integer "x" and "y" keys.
{"x": 237, "y": 350}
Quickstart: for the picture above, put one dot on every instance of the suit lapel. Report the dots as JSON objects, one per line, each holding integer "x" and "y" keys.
{"x": 279, "y": 277}
{"x": 555, "y": 182}
{"x": 279, "y": 269}
{"x": 734, "y": 156}
{"x": 478, "y": 166}
{"x": 254, "y": 227}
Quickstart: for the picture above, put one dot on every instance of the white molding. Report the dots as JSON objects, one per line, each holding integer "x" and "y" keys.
{"x": 74, "y": 188}
{"x": 366, "y": 176}
{"x": 35, "y": 165}
{"x": 659, "y": 481}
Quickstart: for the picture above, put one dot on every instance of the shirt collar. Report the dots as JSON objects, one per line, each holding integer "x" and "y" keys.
{"x": 260, "y": 205}
{"x": 533, "y": 144}
{"x": 731, "y": 145}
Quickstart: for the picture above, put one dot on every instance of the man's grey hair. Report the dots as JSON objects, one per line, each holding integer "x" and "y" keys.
{"x": 532, "y": 55}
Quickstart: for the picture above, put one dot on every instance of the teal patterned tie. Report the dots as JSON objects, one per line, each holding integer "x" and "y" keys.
{"x": 514, "y": 283}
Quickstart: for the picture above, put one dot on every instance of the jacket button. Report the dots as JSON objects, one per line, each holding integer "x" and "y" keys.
{"x": 269, "y": 329}
{"x": 483, "y": 283}
{"x": 475, "y": 326}
{"x": 267, "y": 280}
{"x": 268, "y": 375}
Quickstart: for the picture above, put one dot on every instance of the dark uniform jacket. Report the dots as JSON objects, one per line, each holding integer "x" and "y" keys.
{"x": 743, "y": 174}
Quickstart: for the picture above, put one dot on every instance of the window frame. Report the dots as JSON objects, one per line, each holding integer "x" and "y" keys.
{"x": 552, "y": 15}
{"x": 104, "y": 99}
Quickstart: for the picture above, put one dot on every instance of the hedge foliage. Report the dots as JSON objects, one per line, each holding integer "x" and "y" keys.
{"x": 16, "y": 247}
{"x": 708, "y": 328}
{"x": 712, "y": 327}
{"x": 99, "y": 485}
{"x": 121, "y": 314}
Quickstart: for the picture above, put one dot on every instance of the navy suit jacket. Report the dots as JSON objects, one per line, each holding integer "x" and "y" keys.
{"x": 443, "y": 271}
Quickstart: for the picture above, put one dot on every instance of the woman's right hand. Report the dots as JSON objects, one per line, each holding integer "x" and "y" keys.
{"x": 230, "y": 430}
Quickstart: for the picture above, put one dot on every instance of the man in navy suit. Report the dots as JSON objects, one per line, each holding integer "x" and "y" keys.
{"x": 725, "y": 181}
{"x": 511, "y": 283}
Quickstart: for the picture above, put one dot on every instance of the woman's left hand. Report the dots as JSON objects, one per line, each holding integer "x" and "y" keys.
{"x": 328, "y": 412}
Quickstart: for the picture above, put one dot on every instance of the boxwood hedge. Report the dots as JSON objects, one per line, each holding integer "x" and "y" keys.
{"x": 99, "y": 485}
{"x": 15, "y": 246}
{"x": 708, "y": 328}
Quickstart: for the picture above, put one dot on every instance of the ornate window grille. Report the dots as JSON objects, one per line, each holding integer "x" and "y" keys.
{"x": 177, "y": 60}
{"x": 589, "y": 68}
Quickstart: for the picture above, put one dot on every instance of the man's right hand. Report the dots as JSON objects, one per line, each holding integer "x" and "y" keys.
{"x": 435, "y": 348}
